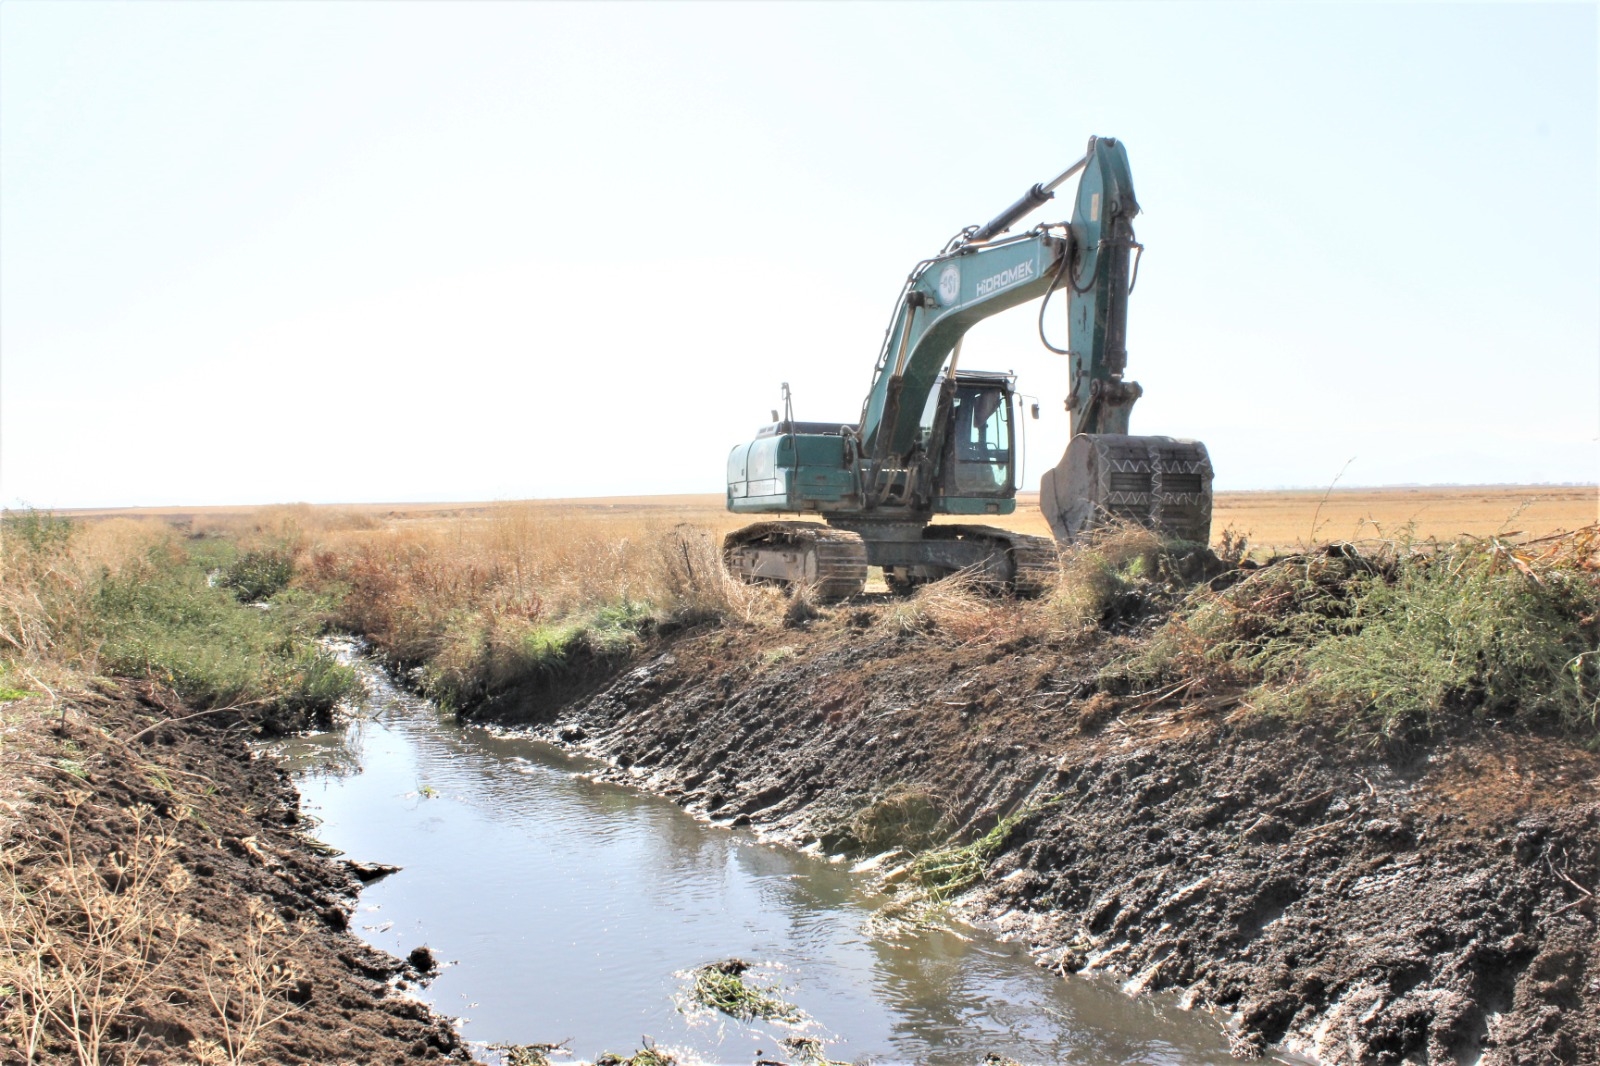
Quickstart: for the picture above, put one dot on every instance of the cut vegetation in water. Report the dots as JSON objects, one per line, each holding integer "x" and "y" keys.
{"x": 724, "y": 987}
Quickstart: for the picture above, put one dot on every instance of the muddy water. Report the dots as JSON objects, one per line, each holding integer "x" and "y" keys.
{"x": 568, "y": 908}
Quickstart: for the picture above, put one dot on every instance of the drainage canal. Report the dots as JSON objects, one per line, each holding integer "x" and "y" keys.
{"x": 569, "y": 909}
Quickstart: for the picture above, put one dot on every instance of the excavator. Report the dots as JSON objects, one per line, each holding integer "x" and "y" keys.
{"x": 936, "y": 439}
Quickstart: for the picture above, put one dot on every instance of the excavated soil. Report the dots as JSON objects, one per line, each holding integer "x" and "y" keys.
{"x": 1352, "y": 906}
{"x": 240, "y": 868}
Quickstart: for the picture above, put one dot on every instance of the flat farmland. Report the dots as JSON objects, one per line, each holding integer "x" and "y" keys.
{"x": 1270, "y": 520}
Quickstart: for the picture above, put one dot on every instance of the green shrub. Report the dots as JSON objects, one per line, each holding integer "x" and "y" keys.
{"x": 259, "y": 575}
{"x": 1449, "y": 635}
{"x": 39, "y": 532}
{"x": 165, "y": 621}
{"x": 1402, "y": 644}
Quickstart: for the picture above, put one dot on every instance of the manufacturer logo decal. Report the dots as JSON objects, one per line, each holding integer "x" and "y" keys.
{"x": 1006, "y": 278}
{"x": 949, "y": 284}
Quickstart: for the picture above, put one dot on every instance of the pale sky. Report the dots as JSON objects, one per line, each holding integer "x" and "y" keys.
{"x": 257, "y": 252}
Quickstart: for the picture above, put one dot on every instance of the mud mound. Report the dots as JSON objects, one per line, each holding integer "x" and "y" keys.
{"x": 229, "y": 928}
{"x": 1358, "y": 907}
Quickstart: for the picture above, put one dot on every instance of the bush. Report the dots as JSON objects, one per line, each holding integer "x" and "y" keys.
{"x": 482, "y": 657}
{"x": 1407, "y": 642}
{"x": 1123, "y": 574}
{"x": 38, "y": 532}
{"x": 259, "y": 575}
{"x": 165, "y": 621}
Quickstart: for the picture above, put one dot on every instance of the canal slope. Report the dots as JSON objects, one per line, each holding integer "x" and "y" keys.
{"x": 165, "y": 902}
{"x": 1352, "y": 905}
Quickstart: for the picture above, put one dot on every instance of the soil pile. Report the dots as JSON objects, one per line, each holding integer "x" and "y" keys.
{"x": 1355, "y": 906}
{"x": 165, "y": 904}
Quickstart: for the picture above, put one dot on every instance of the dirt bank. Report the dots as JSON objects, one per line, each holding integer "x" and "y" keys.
{"x": 164, "y": 903}
{"x": 1357, "y": 907}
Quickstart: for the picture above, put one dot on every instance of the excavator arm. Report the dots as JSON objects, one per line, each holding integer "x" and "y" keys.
{"x": 979, "y": 275}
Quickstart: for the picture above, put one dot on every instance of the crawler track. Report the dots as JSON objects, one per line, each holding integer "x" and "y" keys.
{"x": 1029, "y": 562}
{"x": 832, "y": 561}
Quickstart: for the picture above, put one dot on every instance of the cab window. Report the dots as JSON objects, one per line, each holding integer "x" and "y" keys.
{"x": 980, "y": 432}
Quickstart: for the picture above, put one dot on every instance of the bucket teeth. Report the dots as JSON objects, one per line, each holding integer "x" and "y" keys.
{"x": 1162, "y": 483}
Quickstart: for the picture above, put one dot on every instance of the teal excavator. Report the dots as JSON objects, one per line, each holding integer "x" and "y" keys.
{"x": 937, "y": 439}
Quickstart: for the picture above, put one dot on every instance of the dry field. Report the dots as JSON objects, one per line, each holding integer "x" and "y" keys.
{"x": 1281, "y": 520}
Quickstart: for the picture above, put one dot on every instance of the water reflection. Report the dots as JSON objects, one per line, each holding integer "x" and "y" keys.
{"x": 570, "y": 905}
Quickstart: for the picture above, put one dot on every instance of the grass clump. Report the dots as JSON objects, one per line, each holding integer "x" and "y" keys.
{"x": 1123, "y": 574}
{"x": 526, "y": 1054}
{"x": 163, "y": 620}
{"x": 809, "y": 1051}
{"x": 259, "y": 575}
{"x": 1408, "y": 641}
{"x": 721, "y": 986}
{"x": 945, "y": 873}
{"x": 902, "y": 817}
{"x": 481, "y": 657}
{"x": 649, "y": 1055}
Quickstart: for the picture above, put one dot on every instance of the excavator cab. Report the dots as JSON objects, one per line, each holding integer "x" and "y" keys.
{"x": 979, "y": 447}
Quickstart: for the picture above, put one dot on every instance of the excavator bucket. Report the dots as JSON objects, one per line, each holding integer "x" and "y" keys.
{"x": 1159, "y": 482}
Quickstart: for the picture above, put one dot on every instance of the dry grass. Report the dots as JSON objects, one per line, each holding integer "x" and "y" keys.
{"x": 82, "y": 937}
{"x": 247, "y": 986}
{"x": 1283, "y": 521}
{"x": 491, "y": 597}
{"x": 521, "y": 593}
{"x": 49, "y": 570}
{"x": 902, "y": 816}
{"x": 1272, "y": 520}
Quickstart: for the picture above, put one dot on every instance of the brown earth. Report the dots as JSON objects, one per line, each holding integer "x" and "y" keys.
{"x": 243, "y": 915}
{"x": 1353, "y": 905}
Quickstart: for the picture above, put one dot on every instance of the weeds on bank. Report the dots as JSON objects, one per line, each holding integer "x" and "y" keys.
{"x": 522, "y": 597}
{"x": 1402, "y": 641}
{"x": 903, "y": 816}
{"x": 1112, "y": 579}
{"x": 923, "y": 886}
{"x": 163, "y": 620}
{"x": 942, "y": 874}
{"x": 248, "y": 987}
{"x": 84, "y": 937}
{"x": 88, "y": 941}
{"x": 1124, "y": 574}
{"x": 134, "y": 599}
{"x": 481, "y": 657}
